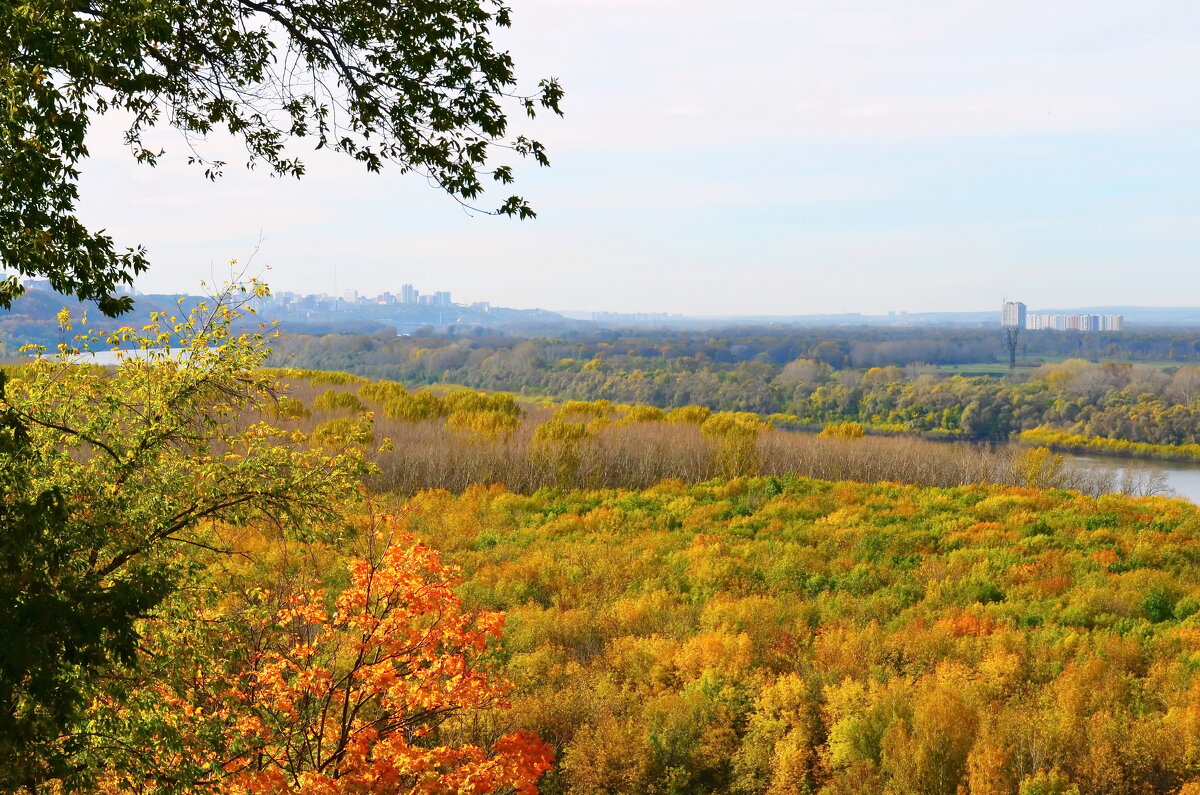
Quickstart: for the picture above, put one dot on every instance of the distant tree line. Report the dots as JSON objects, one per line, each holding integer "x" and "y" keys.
{"x": 810, "y": 376}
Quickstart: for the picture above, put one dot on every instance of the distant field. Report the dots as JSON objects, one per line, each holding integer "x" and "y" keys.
{"x": 985, "y": 368}
{"x": 1000, "y": 368}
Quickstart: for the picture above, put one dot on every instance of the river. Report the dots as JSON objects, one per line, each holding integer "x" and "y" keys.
{"x": 114, "y": 357}
{"x": 1182, "y": 480}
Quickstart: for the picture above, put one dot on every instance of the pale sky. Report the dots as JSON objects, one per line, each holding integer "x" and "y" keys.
{"x": 763, "y": 157}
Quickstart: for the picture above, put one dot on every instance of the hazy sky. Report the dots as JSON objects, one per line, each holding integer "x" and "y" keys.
{"x": 759, "y": 158}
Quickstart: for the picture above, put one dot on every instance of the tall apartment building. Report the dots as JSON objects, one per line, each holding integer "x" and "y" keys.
{"x": 408, "y": 294}
{"x": 441, "y": 298}
{"x": 1012, "y": 313}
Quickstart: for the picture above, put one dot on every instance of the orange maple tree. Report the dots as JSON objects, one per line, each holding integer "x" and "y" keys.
{"x": 327, "y": 691}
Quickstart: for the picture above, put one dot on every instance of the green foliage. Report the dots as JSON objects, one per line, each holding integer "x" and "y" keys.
{"x": 423, "y": 88}
{"x": 64, "y": 623}
{"x": 1159, "y": 605}
{"x": 108, "y": 479}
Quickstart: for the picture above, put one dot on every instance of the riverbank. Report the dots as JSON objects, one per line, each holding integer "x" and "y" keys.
{"x": 1066, "y": 442}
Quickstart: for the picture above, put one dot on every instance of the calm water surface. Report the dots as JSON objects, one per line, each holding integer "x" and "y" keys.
{"x": 1182, "y": 479}
{"x": 108, "y": 358}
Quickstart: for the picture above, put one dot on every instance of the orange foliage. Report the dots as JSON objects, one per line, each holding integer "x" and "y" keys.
{"x": 966, "y": 622}
{"x": 353, "y": 693}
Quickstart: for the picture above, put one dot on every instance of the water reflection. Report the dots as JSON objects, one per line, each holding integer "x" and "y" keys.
{"x": 1144, "y": 477}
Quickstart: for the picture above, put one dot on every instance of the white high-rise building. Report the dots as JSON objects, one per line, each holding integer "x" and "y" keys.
{"x": 1012, "y": 313}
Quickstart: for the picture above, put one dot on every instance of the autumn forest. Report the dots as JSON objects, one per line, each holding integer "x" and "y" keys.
{"x": 365, "y": 587}
{"x": 768, "y": 502}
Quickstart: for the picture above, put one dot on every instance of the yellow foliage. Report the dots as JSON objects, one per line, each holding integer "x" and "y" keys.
{"x": 381, "y": 391}
{"x": 1047, "y": 782}
{"x": 989, "y": 765}
{"x": 415, "y": 406}
{"x": 844, "y": 430}
{"x": 734, "y": 437}
{"x": 692, "y": 415}
{"x": 1039, "y": 468}
{"x": 483, "y": 425}
{"x": 584, "y": 408}
{"x": 726, "y": 654}
{"x": 334, "y": 400}
{"x": 643, "y": 414}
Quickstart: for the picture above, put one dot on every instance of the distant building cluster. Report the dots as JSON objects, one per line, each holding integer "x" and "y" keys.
{"x": 407, "y": 295}
{"x": 44, "y": 286}
{"x": 317, "y": 302}
{"x": 630, "y": 317}
{"x": 1076, "y": 322}
{"x": 37, "y": 284}
{"x": 1013, "y": 315}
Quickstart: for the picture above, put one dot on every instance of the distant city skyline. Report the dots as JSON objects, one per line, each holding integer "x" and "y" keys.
{"x": 872, "y": 156}
{"x": 1013, "y": 313}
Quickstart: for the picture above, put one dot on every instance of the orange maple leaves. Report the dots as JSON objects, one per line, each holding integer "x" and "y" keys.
{"x": 356, "y": 692}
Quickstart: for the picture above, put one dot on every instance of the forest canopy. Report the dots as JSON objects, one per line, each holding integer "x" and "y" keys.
{"x": 813, "y": 376}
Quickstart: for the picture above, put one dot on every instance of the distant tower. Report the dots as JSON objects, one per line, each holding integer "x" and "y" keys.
{"x": 1012, "y": 319}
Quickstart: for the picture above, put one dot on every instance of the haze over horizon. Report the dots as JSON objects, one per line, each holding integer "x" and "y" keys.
{"x": 797, "y": 159}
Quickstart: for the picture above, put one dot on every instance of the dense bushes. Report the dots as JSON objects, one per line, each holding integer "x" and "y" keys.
{"x": 456, "y": 438}
{"x": 786, "y": 635}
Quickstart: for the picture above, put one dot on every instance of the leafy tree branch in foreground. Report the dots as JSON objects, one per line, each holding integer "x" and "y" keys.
{"x": 110, "y": 482}
{"x": 421, "y": 87}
